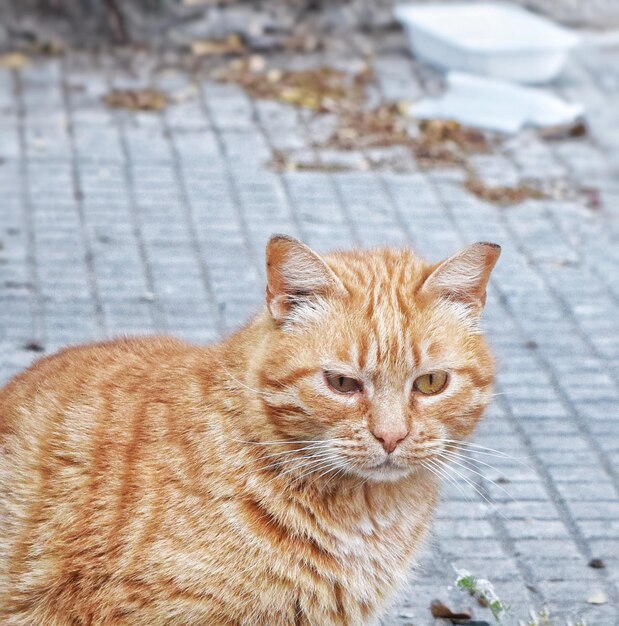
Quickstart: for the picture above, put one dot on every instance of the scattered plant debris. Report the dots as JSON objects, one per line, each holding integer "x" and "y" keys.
{"x": 432, "y": 142}
{"x": 14, "y": 60}
{"x": 483, "y": 590}
{"x": 321, "y": 89}
{"x": 553, "y": 133}
{"x": 232, "y": 44}
{"x": 597, "y": 564}
{"x": 359, "y": 129}
{"x": 446, "y": 141}
{"x": 539, "y": 618}
{"x": 592, "y": 197}
{"x": 136, "y": 99}
{"x": 282, "y": 162}
{"x": 439, "y": 609}
{"x": 381, "y": 127}
{"x": 503, "y": 195}
{"x": 49, "y": 47}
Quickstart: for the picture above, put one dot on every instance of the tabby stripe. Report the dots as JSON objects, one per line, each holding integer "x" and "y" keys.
{"x": 475, "y": 375}
{"x": 17, "y": 560}
{"x": 287, "y": 380}
{"x": 127, "y": 486}
{"x": 264, "y": 524}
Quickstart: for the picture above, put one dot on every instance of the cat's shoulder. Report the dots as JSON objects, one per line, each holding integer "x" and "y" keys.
{"x": 138, "y": 353}
{"x": 112, "y": 350}
{"x": 80, "y": 371}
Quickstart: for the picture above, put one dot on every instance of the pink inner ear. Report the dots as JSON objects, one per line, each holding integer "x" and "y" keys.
{"x": 295, "y": 272}
{"x": 464, "y": 276}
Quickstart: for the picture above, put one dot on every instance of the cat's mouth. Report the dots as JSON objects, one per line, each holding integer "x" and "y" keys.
{"x": 388, "y": 463}
{"x": 388, "y": 469}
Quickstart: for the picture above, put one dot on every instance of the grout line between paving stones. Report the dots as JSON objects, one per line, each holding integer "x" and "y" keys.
{"x": 157, "y": 315}
{"x": 78, "y": 195}
{"x": 232, "y": 186}
{"x": 281, "y": 179}
{"x": 37, "y": 309}
{"x": 190, "y": 222}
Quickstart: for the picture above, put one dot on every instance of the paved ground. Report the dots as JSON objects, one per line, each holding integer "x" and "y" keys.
{"x": 118, "y": 222}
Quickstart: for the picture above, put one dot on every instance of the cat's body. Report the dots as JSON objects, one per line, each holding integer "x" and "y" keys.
{"x": 149, "y": 482}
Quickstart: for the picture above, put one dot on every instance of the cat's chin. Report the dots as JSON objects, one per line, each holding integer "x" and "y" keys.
{"x": 385, "y": 472}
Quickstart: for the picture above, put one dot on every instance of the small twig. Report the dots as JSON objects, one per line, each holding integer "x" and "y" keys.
{"x": 117, "y": 21}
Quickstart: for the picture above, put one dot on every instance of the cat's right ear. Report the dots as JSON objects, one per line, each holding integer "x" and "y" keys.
{"x": 297, "y": 278}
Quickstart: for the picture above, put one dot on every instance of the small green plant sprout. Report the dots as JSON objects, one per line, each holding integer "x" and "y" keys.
{"x": 539, "y": 618}
{"x": 483, "y": 591}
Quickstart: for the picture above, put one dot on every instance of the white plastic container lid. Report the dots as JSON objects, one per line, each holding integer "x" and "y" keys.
{"x": 487, "y": 27}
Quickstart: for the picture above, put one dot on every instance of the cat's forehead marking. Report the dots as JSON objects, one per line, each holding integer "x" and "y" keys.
{"x": 382, "y": 285}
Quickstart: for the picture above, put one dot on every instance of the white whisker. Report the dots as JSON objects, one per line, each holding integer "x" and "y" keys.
{"x": 452, "y": 460}
{"x": 453, "y": 470}
{"x": 472, "y": 447}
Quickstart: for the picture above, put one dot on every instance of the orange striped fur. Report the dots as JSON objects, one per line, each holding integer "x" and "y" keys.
{"x": 150, "y": 482}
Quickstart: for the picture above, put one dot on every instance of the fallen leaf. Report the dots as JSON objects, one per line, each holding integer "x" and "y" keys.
{"x": 232, "y": 44}
{"x": 503, "y": 195}
{"x": 592, "y": 197}
{"x": 597, "y": 564}
{"x": 281, "y": 162}
{"x": 320, "y": 89}
{"x": 598, "y": 598}
{"x": 49, "y": 47}
{"x": 182, "y": 95}
{"x": 14, "y": 60}
{"x": 136, "y": 99}
{"x": 439, "y": 609}
{"x": 570, "y": 131}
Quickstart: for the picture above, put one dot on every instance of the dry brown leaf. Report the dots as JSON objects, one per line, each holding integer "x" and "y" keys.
{"x": 14, "y": 60}
{"x": 136, "y": 99}
{"x": 439, "y": 609}
{"x": 232, "y": 44}
{"x": 433, "y": 143}
{"x": 49, "y": 47}
{"x": 281, "y": 162}
{"x": 321, "y": 89}
{"x": 503, "y": 196}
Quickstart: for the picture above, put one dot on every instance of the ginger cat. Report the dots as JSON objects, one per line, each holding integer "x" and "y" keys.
{"x": 281, "y": 477}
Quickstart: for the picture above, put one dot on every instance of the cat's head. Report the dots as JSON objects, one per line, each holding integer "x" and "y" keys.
{"x": 375, "y": 355}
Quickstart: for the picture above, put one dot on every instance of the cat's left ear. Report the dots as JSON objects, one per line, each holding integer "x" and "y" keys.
{"x": 297, "y": 278}
{"x": 463, "y": 277}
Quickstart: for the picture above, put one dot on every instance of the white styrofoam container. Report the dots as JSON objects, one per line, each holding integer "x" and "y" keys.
{"x": 489, "y": 38}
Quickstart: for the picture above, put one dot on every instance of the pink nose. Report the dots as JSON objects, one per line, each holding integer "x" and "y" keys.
{"x": 390, "y": 438}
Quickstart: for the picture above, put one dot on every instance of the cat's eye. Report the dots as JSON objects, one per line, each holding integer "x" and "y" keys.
{"x": 431, "y": 383}
{"x": 343, "y": 384}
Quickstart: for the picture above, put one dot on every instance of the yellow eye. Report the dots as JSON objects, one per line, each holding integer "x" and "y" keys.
{"x": 343, "y": 384}
{"x": 431, "y": 383}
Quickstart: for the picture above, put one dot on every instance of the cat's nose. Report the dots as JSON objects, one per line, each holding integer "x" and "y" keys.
{"x": 390, "y": 438}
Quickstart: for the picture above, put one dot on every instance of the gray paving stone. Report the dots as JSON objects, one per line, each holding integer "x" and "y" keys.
{"x": 117, "y": 222}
